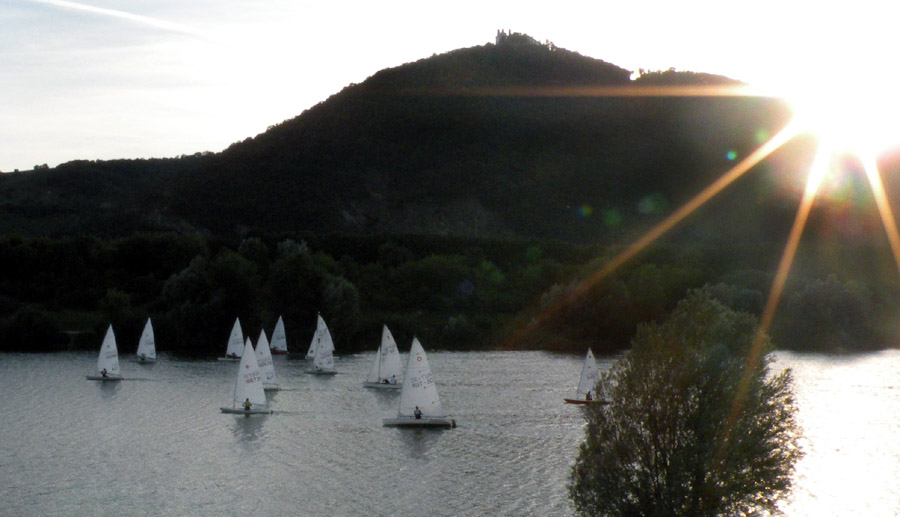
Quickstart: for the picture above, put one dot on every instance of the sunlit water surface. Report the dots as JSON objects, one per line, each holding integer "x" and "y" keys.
{"x": 156, "y": 443}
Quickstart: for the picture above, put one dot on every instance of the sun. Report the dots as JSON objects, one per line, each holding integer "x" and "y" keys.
{"x": 858, "y": 118}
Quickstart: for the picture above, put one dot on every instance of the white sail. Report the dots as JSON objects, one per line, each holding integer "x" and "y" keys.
{"x": 249, "y": 382}
{"x": 146, "y": 350}
{"x": 236, "y": 340}
{"x": 589, "y": 376}
{"x": 279, "y": 339}
{"x": 108, "y": 360}
{"x": 375, "y": 369}
{"x": 264, "y": 359}
{"x": 317, "y": 336}
{"x": 323, "y": 359}
{"x": 419, "y": 389}
{"x": 387, "y": 363}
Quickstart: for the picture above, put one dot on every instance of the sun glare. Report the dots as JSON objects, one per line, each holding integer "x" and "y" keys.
{"x": 848, "y": 118}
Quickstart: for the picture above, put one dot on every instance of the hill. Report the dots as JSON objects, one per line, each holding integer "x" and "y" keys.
{"x": 431, "y": 147}
{"x": 455, "y": 198}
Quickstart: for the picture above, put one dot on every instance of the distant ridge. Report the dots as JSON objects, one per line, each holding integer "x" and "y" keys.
{"x": 389, "y": 155}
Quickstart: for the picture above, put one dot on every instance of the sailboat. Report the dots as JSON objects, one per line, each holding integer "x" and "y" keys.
{"x": 235, "y": 343}
{"x": 266, "y": 365}
{"x": 108, "y": 360}
{"x": 420, "y": 405}
{"x": 249, "y": 397}
{"x": 386, "y": 372}
{"x": 320, "y": 328}
{"x": 587, "y": 386}
{"x": 323, "y": 351}
{"x": 279, "y": 339}
{"x": 146, "y": 351}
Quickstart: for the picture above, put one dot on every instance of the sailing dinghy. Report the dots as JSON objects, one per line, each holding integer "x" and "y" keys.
{"x": 235, "y": 343}
{"x": 323, "y": 350}
{"x": 587, "y": 386}
{"x": 146, "y": 351}
{"x": 387, "y": 371}
{"x": 320, "y": 328}
{"x": 266, "y": 365}
{"x": 279, "y": 339}
{"x": 420, "y": 405}
{"x": 249, "y": 397}
{"x": 108, "y": 361}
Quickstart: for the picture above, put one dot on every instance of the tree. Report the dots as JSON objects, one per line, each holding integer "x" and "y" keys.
{"x": 831, "y": 315}
{"x": 695, "y": 426}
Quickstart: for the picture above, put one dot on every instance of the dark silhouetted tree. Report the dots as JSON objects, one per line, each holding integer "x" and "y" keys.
{"x": 694, "y": 428}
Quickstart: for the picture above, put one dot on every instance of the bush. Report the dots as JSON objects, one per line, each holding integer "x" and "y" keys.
{"x": 696, "y": 426}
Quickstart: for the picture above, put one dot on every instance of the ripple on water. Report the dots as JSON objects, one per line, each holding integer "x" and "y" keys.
{"x": 158, "y": 444}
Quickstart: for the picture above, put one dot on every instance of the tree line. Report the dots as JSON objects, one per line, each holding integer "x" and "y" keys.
{"x": 452, "y": 292}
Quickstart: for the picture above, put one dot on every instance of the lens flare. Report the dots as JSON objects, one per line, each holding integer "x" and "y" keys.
{"x": 851, "y": 119}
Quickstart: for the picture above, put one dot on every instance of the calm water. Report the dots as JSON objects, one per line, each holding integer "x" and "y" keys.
{"x": 157, "y": 444}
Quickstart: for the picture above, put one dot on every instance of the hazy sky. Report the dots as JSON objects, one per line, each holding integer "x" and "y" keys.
{"x": 110, "y": 79}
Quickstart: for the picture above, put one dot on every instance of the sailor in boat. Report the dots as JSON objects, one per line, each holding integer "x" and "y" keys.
{"x": 232, "y": 355}
{"x": 385, "y": 381}
{"x": 393, "y": 379}
{"x": 587, "y": 396}
{"x": 247, "y": 404}
{"x": 417, "y": 413}
{"x": 103, "y": 372}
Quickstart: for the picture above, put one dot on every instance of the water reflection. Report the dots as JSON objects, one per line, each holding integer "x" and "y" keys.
{"x": 417, "y": 442}
{"x": 386, "y": 399}
{"x": 248, "y": 428}
{"x": 109, "y": 389}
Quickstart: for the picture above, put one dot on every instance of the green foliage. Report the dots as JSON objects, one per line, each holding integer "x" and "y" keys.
{"x": 606, "y": 314}
{"x": 696, "y": 425}
{"x": 452, "y": 292}
{"x": 206, "y": 297}
{"x": 738, "y": 298}
{"x": 831, "y": 315}
{"x": 32, "y": 328}
{"x": 340, "y": 306}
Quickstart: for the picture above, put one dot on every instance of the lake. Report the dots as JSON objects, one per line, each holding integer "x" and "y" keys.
{"x": 157, "y": 443}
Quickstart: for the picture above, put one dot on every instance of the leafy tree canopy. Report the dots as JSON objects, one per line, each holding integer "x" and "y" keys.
{"x": 695, "y": 426}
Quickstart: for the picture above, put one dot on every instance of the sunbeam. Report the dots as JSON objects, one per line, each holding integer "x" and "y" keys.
{"x": 783, "y": 136}
{"x": 881, "y": 201}
{"x": 739, "y": 90}
{"x": 814, "y": 180}
{"x": 767, "y": 148}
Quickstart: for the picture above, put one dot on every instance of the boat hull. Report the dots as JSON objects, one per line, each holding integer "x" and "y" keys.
{"x": 279, "y": 352}
{"x": 408, "y": 421}
{"x": 145, "y": 361}
{"x": 242, "y": 411}
{"x": 382, "y": 386}
{"x": 108, "y": 378}
{"x": 230, "y": 359}
{"x": 271, "y": 388}
{"x": 322, "y": 372}
{"x": 586, "y": 402}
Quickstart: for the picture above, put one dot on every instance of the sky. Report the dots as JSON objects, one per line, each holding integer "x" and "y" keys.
{"x": 104, "y": 79}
